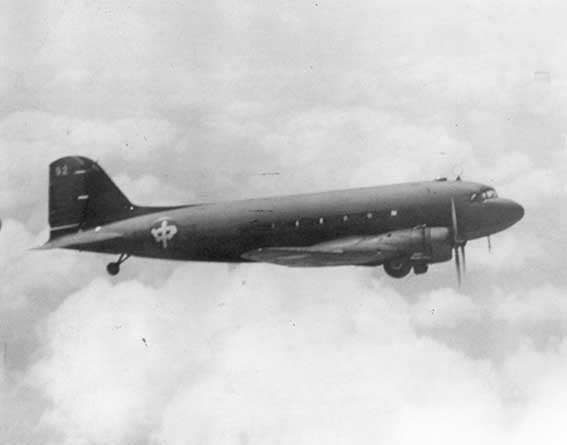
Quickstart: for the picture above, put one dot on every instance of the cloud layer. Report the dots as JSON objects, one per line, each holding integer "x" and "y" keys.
{"x": 263, "y": 354}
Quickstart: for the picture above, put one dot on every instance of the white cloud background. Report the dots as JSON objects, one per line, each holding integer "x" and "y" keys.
{"x": 185, "y": 102}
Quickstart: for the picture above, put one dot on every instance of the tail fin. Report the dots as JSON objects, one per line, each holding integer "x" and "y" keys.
{"x": 82, "y": 196}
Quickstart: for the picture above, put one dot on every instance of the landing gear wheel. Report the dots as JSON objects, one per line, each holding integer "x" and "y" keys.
{"x": 114, "y": 268}
{"x": 397, "y": 268}
{"x": 420, "y": 268}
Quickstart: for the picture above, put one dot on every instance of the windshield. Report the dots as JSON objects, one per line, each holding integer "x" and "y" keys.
{"x": 489, "y": 194}
{"x": 484, "y": 195}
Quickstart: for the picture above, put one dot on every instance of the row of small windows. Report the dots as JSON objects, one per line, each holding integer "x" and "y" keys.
{"x": 322, "y": 220}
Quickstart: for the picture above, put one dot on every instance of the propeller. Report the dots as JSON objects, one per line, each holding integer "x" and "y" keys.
{"x": 458, "y": 244}
{"x": 489, "y": 244}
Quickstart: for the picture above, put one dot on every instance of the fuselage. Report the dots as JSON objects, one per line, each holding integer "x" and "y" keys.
{"x": 223, "y": 231}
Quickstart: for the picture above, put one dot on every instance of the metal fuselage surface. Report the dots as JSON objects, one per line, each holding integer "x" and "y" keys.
{"x": 223, "y": 231}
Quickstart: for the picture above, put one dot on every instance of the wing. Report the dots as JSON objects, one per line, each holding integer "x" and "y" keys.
{"x": 344, "y": 251}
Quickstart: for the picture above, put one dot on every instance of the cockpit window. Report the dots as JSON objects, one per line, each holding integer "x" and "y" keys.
{"x": 489, "y": 194}
{"x": 484, "y": 195}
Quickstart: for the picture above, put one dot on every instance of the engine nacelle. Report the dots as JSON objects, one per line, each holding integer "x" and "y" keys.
{"x": 420, "y": 244}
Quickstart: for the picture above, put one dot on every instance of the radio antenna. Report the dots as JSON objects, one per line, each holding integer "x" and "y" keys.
{"x": 458, "y": 172}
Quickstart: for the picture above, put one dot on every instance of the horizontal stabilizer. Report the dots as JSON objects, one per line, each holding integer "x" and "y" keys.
{"x": 79, "y": 239}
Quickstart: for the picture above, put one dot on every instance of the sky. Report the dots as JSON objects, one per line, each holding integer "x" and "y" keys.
{"x": 192, "y": 101}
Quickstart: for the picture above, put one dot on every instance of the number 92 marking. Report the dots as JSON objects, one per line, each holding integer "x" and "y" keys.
{"x": 61, "y": 170}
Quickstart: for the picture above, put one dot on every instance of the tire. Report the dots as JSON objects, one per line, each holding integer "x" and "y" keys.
{"x": 420, "y": 268}
{"x": 113, "y": 268}
{"x": 397, "y": 268}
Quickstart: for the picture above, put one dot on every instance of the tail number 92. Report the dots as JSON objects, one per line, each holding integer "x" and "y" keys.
{"x": 61, "y": 170}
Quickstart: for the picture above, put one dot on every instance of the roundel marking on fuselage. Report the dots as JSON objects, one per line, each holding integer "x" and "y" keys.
{"x": 164, "y": 232}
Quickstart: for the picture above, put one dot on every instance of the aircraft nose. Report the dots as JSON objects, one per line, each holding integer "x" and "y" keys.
{"x": 512, "y": 211}
{"x": 515, "y": 211}
{"x": 503, "y": 213}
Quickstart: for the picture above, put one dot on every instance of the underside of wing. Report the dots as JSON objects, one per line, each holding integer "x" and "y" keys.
{"x": 340, "y": 252}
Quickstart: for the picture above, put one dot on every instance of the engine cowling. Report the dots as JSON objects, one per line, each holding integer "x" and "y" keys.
{"x": 436, "y": 243}
{"x": 419, "y": 244}
{"x": 416, "y": 248}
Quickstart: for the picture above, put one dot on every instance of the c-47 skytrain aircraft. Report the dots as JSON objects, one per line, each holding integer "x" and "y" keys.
{"x": 402, "y": 227}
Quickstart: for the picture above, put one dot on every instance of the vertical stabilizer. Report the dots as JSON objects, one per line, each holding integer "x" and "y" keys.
{"x": 82, "y": 196}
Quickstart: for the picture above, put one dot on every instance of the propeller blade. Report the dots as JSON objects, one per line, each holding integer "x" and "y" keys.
{"x": 454, "y": 222}
{"x": 458, "y": 243}
{"x": 489, "y": 244}
{"x": 458, "y": 265}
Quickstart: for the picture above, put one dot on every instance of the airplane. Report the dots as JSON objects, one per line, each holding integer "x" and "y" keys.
{"x": 401, "y": 227}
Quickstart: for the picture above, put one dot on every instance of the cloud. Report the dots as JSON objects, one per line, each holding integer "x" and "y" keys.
{"x": 262, "y": 354}
{"x": 508, "y": 251}
{"x": 106, "y": 375}
{"x": 444, "y": 308}
{"x": 34, "y": 139}
{"x": 149, "y": 190}
{"x": 532, "y": 306}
